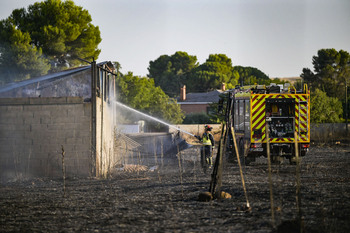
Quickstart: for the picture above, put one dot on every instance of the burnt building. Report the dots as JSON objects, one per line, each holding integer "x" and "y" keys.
{"x": 69, "y": 113}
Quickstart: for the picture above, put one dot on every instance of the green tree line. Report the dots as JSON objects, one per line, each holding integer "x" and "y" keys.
{"x": 46, "y": 37}
{"x": 171, "y": 72}
{"x": 329, "y": 83}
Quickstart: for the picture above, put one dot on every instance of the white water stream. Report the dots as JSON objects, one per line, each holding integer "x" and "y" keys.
{"x": 152, "y": 118}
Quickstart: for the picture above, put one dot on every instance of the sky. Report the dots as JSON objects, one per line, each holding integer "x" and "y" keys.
{"x": 279, "y": 37}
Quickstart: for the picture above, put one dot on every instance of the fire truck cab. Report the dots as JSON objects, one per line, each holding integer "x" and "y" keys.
{"x": 275, "y": 112}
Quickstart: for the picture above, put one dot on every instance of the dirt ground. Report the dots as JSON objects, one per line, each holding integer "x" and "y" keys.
{"x": 165, "y": 199}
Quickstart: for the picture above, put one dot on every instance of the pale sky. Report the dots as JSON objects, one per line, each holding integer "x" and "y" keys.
{"x": 279, "y": 37}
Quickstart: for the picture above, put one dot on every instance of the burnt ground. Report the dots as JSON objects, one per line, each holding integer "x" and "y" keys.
{"x": 165, "y": 200}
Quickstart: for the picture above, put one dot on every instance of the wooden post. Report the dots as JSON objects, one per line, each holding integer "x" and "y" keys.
{"x": 63, "y": 172}
{"x": 161, "y": 151}
{"x": 298, "y": 196}
{"x": 155, "y": 151}
{"x": 180, "y": 168}
{"x": 215, "y": 183}
{"x": 240, "y": 165}
{"x": 139, "y": 161}
{"x": 270, "y": 178}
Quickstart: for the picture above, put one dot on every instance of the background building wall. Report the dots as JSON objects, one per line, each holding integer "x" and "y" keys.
{"x": 191, "y": 108}
{"x": 329, "y": 132}
{"x": 33, "y": 131}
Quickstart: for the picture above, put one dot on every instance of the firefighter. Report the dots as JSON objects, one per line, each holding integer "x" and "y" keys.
{"x": 207, "y": 140}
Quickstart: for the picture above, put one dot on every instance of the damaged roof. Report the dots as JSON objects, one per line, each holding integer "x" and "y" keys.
{"x": 71, "y": 82}
{"x": 51, "y": 77}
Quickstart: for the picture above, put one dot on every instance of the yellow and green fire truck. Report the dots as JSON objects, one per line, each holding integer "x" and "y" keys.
{"x": 282, "y": 110}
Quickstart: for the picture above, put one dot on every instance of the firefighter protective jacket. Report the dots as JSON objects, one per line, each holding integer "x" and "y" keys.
{"x": 208, "y": 139}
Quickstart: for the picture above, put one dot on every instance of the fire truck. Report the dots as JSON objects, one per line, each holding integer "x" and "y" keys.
{"x": 280, "y": 109}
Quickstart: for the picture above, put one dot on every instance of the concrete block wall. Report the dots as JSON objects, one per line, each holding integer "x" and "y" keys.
{"x": 33, "y": 131}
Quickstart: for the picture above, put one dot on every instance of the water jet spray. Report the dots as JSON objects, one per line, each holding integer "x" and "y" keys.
{"x": 152, "y": 118}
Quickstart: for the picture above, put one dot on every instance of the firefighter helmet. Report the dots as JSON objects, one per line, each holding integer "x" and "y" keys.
{"x": 207, "y": 127}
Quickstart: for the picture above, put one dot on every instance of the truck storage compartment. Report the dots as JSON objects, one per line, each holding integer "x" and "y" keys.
{"x": 280, "y": 115}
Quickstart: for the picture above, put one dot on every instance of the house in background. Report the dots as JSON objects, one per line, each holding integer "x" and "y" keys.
{"x": 198, "y": 102}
